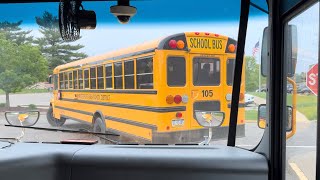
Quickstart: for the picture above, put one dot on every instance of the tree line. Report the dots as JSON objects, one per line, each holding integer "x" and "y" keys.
{"x": 25, "y": 59}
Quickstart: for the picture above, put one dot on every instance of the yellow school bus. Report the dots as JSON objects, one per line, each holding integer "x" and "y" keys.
{"x": 150, "y": 92}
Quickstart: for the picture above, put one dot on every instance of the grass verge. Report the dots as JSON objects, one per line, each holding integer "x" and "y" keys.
{"x": 251, "y": 114}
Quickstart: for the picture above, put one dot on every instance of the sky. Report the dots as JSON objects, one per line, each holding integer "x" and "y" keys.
{"x": 156, "y": 19}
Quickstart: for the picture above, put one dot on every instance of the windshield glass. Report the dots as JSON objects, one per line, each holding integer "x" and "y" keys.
{"x": 163, "y": 77}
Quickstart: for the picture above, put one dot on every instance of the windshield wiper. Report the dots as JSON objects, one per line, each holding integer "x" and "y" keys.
{"x": 62, "y": 130}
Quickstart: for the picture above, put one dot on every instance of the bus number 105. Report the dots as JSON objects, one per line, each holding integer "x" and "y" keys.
{"x": 207, "y": 93}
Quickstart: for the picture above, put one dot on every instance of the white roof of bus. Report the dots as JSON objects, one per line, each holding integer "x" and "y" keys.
{"x": 109, "y": 55}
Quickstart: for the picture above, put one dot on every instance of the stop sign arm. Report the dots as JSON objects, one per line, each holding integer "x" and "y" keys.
{"x": 294, "y": 108}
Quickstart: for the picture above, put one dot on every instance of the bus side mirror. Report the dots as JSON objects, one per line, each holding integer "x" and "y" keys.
{"x": 50, "y": 79}
{"x": 210, "y": 118}
{"x": 289, "y": 118}
{"x": 262, "y": 117}
{"x": 25, "y": 118}
{"x": 290, "y": 50}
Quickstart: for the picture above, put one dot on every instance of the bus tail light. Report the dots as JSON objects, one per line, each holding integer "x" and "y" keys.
{"x": 231, "y": 48}
{"x": 185, "y": 99}
{"x": 180, "y": 44}
{"x": 173, "y": 44}
{"x": 169, "y": 99}
{"x": 177, "y": 99}
{"x": 178, "y": 115}
{"x": 228, "y": 97}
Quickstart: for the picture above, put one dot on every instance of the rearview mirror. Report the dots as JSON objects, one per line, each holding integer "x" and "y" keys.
{"x": 210, "y": 118}
{"x": 26, "y": 118}
{"x": 262, "y": 117}
{"x": 290, "y": 50}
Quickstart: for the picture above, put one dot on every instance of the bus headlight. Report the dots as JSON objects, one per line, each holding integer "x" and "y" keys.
{"x": 210, "y": 118}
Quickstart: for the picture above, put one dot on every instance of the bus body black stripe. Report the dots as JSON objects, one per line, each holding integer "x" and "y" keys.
{"x": 129, "y": 106}
{"x": 111, "y": 91}
{"x": 75, "y": 119}
{"x": 74, "y": 110}
{"x": 131, "y": 122}
{"x": 126, "y": 121}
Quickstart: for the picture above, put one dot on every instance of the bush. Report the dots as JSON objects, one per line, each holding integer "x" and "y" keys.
{"x": 32, "y": 106}
{"x": 2, "y": 104}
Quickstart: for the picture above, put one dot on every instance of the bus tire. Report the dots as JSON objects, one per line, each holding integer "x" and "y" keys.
{"x": 54, "y": 121}
{"x": 99, "y": 127}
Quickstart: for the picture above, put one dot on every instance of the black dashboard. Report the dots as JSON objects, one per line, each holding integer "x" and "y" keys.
{"x": 76, "y": 162}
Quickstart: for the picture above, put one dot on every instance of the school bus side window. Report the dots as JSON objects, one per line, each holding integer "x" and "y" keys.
{"x": 100, "y": 77}
{"x": 129, "y": 74}
{"x": 80, "y": 79}
{"x": 93, "y": 78}
{"x": 109, "y": 76}
{"x": 118, "y": 75}
{"x": 86, "y": 78}
{"x": 75, "y": 80}
{"x": 145, "y": 73}
{"x": 176, "y": 71}
{"x": 70, "y": 80}
{"x": 61, "y": 81}
{"x": 65, "y": 79}
{"x": 55, "y": 81}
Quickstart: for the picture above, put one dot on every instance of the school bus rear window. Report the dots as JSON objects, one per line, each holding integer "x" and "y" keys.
{"x": 206, "y": 71}
{"x": 176, "y": 71}
{"x": 230, "y": 71}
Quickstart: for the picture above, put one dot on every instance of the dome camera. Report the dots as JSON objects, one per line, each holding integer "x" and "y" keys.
{"x": 123, "y": 13}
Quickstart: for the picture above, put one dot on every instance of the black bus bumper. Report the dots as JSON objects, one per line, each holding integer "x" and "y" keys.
{"x": 194, "y": 136}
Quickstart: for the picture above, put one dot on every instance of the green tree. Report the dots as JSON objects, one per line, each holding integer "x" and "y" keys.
{"x": 51, "y": 44}
{"x": 20, "y": 66}
{"x": 300, "y": 78}
{"x": 252, "y": 74}
{"x": 13, "y": 32}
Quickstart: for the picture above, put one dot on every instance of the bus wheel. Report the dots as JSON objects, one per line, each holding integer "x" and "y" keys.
{"x": 99, "y": 127}
{"x": 54, "y": 121}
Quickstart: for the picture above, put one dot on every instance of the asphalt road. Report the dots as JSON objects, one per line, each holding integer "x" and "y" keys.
{"x": 40, "y": 99}
{"x": 300, "y": 148}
